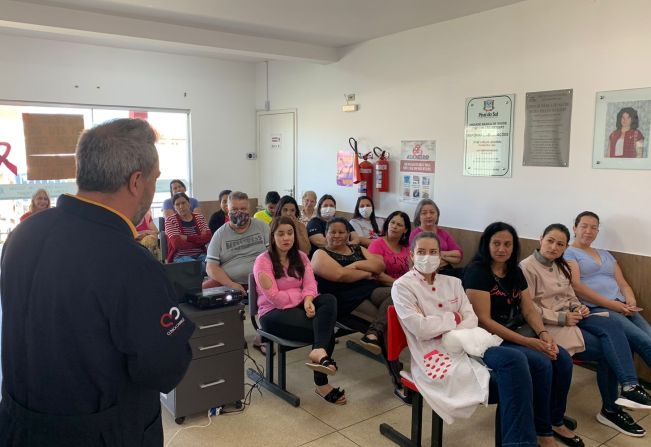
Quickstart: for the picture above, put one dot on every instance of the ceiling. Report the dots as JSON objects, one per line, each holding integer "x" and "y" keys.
{"x": 314, "y": 30}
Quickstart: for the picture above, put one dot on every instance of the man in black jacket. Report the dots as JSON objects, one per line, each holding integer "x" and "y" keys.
{"x": 91, "y": 333}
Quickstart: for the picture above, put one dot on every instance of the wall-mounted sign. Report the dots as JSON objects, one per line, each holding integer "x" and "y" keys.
{"x": 547, "y": 125}
{"x": 417, "y": 167}
{"x": 488, "y": 136}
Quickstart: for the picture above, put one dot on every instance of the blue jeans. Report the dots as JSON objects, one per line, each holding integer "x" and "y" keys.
{"x": 508, "y": 368}
{"x": 637, "y": 330}
{"x": 551, "y": 381}
{"x": 201, "y": 257}
{"x": 606, "y": 343}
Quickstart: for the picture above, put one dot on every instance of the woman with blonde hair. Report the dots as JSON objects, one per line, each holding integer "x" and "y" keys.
{"x": 40, "y": 201}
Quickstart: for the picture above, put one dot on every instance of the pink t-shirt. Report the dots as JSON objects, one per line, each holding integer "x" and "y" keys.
{"x": 396, "y": 264}
{"x": 286, "y": 292}
{"x": 447, "y": 242}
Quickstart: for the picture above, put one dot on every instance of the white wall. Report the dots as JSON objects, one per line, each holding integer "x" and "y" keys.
{"x": 412, "y": 85}
{"x": 220, "y": 96}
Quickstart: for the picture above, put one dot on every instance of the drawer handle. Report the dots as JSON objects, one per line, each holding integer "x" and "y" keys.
{"x": 217, "y": 382}
{"x": 205, "y": 348}
{"x": 211, "y": 326}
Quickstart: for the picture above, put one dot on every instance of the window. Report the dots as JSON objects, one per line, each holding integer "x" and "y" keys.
{"x": 16, "y": 189}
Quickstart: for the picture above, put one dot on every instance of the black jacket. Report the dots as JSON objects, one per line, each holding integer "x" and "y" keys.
{"x": 90, "y": 332}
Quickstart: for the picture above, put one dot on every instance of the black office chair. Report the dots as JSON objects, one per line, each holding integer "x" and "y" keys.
{"x": 284, "y": 345}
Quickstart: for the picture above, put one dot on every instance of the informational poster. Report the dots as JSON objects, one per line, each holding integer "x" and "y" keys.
{"x": 622, "y": 128}
{"x": 488, "y": 136}
{"x": 547, "y": 128}
{"x": 345, "y": 168}
{"x": 417, "y": 167}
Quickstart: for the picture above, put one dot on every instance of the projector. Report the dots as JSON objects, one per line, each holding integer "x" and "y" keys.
{"x": 216, "y": 297}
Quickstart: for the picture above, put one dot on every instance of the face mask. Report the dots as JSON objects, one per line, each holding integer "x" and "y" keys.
{"x": 239, "y": 219}
{"x": 328, "y": 212}
{"x": 366, "y": 212}
{"x": 426, "y": 263}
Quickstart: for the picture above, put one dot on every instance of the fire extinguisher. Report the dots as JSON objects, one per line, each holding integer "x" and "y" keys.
{"x": 381, "y": 170}
{"x": 363, "y": 172}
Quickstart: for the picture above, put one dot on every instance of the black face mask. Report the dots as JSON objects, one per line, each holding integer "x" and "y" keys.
{"x": 239, "y": 218}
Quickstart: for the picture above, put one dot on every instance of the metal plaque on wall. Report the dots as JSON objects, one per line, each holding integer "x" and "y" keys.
{"x": 488, "y": 136}
{"x": 548, "y": 119}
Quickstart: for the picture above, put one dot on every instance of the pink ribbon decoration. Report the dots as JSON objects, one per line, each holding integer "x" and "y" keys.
{"x": 5, "y": 158}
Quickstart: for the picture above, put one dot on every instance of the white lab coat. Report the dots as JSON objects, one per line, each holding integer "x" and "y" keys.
{"x": 453, "y": 384}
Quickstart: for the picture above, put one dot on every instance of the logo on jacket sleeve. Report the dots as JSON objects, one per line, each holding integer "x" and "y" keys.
{"x": 172, "y": 319}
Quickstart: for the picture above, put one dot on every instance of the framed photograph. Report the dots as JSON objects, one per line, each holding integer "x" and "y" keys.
{"x": 622, "y": 129}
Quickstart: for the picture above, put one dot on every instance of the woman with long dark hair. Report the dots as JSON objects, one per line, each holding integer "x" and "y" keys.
{"x": 366, "y": 225}
{"x": 287, "y": 206}
{"x": 393, "y": 247}
{"x": 500, "y": 297}
{"x": 290, "y": 306}
{"x": 587, "y": 336}
{"x": 626, "y": 141}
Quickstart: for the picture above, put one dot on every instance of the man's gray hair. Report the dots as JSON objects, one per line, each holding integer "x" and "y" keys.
{"x": 110, "y": 152}
{"x": 237, "y": 195}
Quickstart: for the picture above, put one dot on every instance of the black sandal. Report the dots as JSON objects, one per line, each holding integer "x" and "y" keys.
{"x": 371, "y": 345}
{"x": 323, "y": 365}
{"x": 333, "y": 396}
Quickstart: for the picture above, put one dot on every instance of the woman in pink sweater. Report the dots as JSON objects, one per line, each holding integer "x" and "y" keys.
{"x": 289, "y": 305}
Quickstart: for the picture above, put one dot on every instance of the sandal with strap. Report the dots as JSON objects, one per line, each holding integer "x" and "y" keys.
{"x": 334, "y": 396}
{"x": 323, "y": 366}
{"x": 371, "y": 345}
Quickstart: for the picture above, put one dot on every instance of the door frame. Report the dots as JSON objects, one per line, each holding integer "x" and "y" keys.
{"x": 260, "y": 113}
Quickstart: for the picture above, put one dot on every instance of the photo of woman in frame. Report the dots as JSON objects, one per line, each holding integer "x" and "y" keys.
{"x": 627, "y": 140}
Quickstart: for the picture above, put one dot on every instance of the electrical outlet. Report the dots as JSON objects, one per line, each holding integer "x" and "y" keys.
{"x": 350, "y": 97}
{"x": 251, "y": 156}
{"x": 214, "y": 411}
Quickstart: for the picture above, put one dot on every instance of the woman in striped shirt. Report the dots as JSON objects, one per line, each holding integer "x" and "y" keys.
{"x": 187, "y": 232}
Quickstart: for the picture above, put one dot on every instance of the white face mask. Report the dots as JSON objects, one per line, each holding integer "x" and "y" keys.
{"x": 426, "y": 263}
{"x": 328, "y": 212}
{"x": 366, "y": 212}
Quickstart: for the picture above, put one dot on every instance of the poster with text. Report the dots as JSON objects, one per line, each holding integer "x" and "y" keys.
{"x": 417, "y": 166}
{"x": 345, "y": 168}
{"x": 488, "y": 136}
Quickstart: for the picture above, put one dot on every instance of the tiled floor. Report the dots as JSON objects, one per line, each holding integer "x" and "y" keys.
{"x": 270, "y": 421}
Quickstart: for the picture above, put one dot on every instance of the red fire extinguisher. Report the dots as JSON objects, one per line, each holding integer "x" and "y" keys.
{"x": 381, "y": 170}
{"x": 362, "y": 172}
{"x": 366, "y": 173}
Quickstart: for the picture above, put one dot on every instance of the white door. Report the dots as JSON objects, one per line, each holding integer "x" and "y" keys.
{"x": 277, "y": 152}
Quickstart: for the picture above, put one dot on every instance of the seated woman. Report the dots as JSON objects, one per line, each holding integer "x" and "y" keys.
{"x": 308, "y": 212}
{"x": 287, "y": 206}
{"x": 366, "y": 225}
{"x": 347, "y": 271}
{"x": 591, "y": 337}
{"x": 393, "y": 247}
{"x": 40, "y": 201}
{"x": 599, "y": 283}
{"x": 187, "y": 232}
{"x": 220, "y": 217}
{"x": 289, "y": 305}
{"x": 500, "y": 297}
{"x": 177, "y": 186}
{"x": 316, "y": 228}
{"x": 146, "y": 226}
{"x": 426, "y": 218}
{"x": 431, "y": 305}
